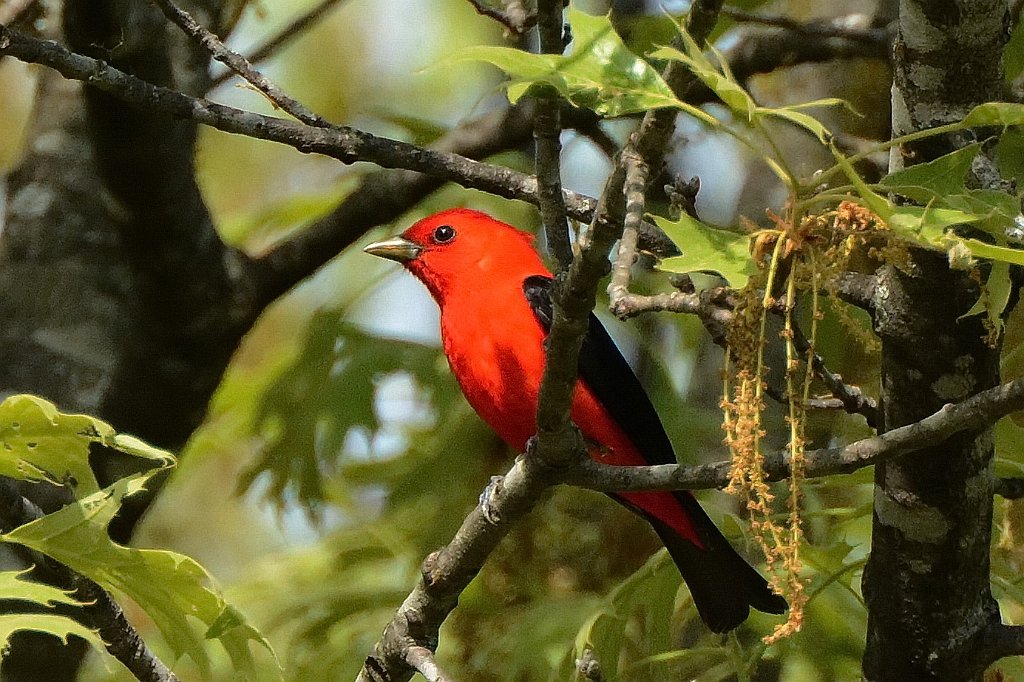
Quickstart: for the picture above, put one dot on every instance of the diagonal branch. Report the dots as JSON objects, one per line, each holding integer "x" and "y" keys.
{"x": 997, "y": 641}
{"x": 348, "y": 145}
{"x": 973, "y": 414}
{"x": 237, "y": 63}
{"x": 852, "y": 398}
{"x": 558, "y": 444}
{"x": 448, "y": 571}
{"x": 547, "y": 127}
{"x": 514, "y": 16}
{"x": 849, "y": 27}
{"x": 289, "y": 33}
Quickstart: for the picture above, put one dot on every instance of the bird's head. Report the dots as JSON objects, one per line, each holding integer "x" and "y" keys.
{"x": 462, "y": 249}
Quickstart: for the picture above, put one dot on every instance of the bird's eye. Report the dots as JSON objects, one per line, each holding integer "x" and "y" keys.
{"x": 443, "y": 234}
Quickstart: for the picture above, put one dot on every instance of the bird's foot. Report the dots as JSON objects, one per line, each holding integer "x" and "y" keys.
{"x": 489, "y": 498}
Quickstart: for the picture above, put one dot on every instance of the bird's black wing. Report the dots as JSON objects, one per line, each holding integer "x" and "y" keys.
{"x": 723, "y": 585}
{"x": 609, "y": 376}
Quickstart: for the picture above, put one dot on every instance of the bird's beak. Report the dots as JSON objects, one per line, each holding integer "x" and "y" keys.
{"x": 396, "y": 248}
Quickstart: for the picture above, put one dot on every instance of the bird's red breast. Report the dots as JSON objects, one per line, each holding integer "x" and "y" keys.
{"x": 495, "y": 344}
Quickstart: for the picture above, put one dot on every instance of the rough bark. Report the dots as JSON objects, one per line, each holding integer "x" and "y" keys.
{"x": 927, "y": 581}
{"x": 118, "y": 295}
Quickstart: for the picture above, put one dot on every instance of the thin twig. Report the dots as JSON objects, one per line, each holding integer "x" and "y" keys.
{"x": 977, "y": 412}
{"x": 634, "y": 188}
{"x": 852, "y": 398}
{"x": 238, "y": 64}
{"x": 558, "y": 442}
{"x": 715, "y": 311}
{"x": 514, "y": 17}
{"x": 421, "y": 659}
{"x": 102, "y": 612}
{"x": 547, "y": 128}
{"x": 289, "y": 33}
{"x": 849, "y": 27}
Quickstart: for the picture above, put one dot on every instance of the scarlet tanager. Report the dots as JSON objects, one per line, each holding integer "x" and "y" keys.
{"x": 495, "y": 298}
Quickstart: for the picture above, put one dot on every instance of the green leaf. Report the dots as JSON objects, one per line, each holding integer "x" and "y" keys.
{"x": 60, "y": 627}
{"x": 994, "y": 114}
{"x": 727, "y": 89}
{"x": 721, "y": 81}
{"x": 927, "y": 225}
{"x": 1003, "y": 254}
{"x": 993, "y": 303}
{"x": 1010, "y": 155}
{"x": 644, "y": 595}
{"x": 38, "y": 443}
{"x": 706, "y": 249}
{"x": 1013, "y": 55}
{"x": 13, "y": 585}
{"x": 805, "y": 121}
{"x": 600, "y": 73}
{"x": 169, "y": 587}
{"x": 943, "y": 176}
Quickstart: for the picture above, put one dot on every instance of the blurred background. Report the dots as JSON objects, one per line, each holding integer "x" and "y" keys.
{"x": 337, "y": 452}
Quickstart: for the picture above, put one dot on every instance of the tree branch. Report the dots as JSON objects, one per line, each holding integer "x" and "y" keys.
{"x": 975, "y": 413}
{"x": 345, "y": 144}
{"x": 237, "y": 63}
{"x": 421, "y": 659}
{"x": 558, "y": 443}
{"x": 121, "y": 638}
{"x": 857, "y": 289}
{"x": 852, "y": 398}
{"x": 289, "y": 33}
{"x": 448, "y": 571}
{"x": 853, "y": 27}
{"x": 514, "y": 17}
{"x": 547, "y": 128}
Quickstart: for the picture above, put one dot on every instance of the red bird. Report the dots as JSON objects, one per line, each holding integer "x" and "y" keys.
{"x": 495, "y": 298}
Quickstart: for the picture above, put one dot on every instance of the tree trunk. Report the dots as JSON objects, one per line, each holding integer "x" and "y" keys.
{"x": 927, "y": 580}
{"x": 119, "y": 299}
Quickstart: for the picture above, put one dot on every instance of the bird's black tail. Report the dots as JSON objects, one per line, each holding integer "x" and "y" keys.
{"x": 723, "y": 585}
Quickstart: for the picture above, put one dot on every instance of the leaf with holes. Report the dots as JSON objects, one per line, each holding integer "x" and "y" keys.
{"x": 38, "y": 443}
